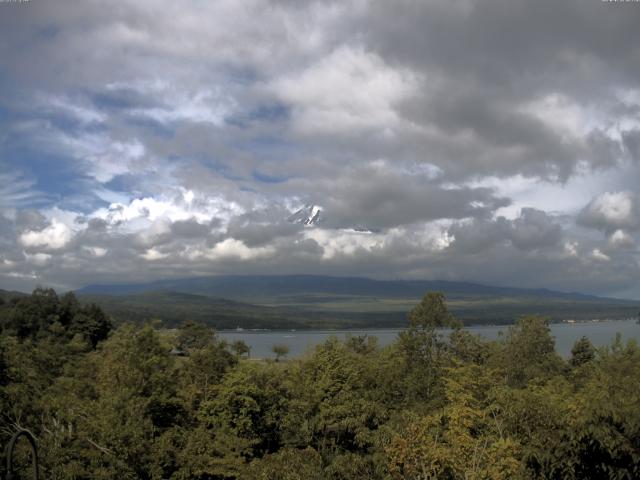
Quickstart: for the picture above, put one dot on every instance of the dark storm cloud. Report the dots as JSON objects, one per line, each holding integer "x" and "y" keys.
{"x": 191, "y": 228}
{"x": 631, "y": 140}
{"x": 481, "y": 133}
{"x": 498, "y": 41}
{"x": 483, "y": 63}
{"x": 377, "y": 202}
{"x": 479, "y": 235}
{"x": 533, "y": 229}
{"x": 262, "y": 227}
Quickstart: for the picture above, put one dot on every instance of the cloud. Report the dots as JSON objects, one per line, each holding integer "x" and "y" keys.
{"x": 54, "y": 237}
{"x": 483, "y": 250}
{"x": 17, "y": 190}
{"x": 611, "y": 211}
{"x": 460, "y": 140}
{"x": 165, "y": 103}
{"x": 231, "y": 248}
{"x": 72, "y": 109}
{"x": 182, "y": 206}
{"x": 261, "y": 227}
{"x": 621, "y": 239}
{"x": 349, "y": 90}
{"x": 600, "y": 256}
{"x": 532, "y": 229}
{"x": 38, "y": 259}
{"x": 385, "y": 194}
{"x": 103, "y": 157}
{"x": 502, "y": 95}
{"x": 30, "y": 219}
{"x": 154, "y": 254}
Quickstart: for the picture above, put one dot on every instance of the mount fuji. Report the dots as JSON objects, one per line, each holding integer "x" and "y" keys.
{"x": 307, "y": 215}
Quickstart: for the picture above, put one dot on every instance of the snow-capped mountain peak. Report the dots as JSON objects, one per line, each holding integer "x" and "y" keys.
{"x": 307, "y": 215}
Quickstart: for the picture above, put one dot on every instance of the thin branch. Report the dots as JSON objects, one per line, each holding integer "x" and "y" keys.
{"x": 104, "y": 450}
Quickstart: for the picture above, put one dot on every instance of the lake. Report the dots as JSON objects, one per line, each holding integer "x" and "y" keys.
{"x": 600, "y": 334}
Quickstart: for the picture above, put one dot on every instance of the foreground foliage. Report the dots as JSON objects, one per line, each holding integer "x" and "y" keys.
{"x": 144, "y": 403}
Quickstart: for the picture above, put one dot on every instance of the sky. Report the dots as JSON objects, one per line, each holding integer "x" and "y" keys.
{"x": 493, "y": 141}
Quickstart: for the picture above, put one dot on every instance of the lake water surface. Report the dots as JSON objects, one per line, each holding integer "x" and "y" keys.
{"x": 600, "y": 334}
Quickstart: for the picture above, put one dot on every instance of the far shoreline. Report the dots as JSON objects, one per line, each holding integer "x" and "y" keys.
{"x": 567, "y": 322}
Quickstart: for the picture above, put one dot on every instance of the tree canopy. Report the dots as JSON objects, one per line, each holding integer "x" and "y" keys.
{"x": 115, "y": 403}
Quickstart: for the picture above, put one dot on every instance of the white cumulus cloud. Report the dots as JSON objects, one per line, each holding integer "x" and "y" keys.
{"x": 56, "y": 236}
{"x": 349, "y": 89}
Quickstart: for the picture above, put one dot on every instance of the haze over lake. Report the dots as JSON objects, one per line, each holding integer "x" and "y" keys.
{"x": 600, "y": 334}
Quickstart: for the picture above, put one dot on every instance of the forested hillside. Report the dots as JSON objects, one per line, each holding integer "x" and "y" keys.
{"x": 314, "y": 301}
{"x": 107, "y": 403}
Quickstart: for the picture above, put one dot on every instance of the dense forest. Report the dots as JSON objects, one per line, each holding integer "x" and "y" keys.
{"x": 143, "y": 402}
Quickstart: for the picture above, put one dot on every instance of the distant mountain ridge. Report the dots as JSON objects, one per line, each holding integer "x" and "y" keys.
{"x": 9, "y": 294}
{"x": 246, "y": 286}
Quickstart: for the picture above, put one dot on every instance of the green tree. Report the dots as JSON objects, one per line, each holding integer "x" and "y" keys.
{"x": 91, "y": 323}
{"x": 244, "y": 420}
{"x": 431, "y": 313}
{"x": 194, "y": 335}
{"x": 240, "y": 348}
{"x": 68, "y": 308}
{"x": 362, "y": 343}
{"x": 606, "y": 434}
{"x": 540, "y": 417}
{"x": 30, "y": 316}
{"x": 202, "y": 371}
{"x": 582, "y": 352}
{"x": 43, "y": 314}
{"x": 463, "y": 440}
{"x": 528, "y": 352}
{"x": 423, "y": 348}
{"x": 336, "y": 405}
{"x": 281, "y": 350}
{"x": 113, "y": 408}
{"x": 468, "y": 347}
{"x": 287, "y": 464}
